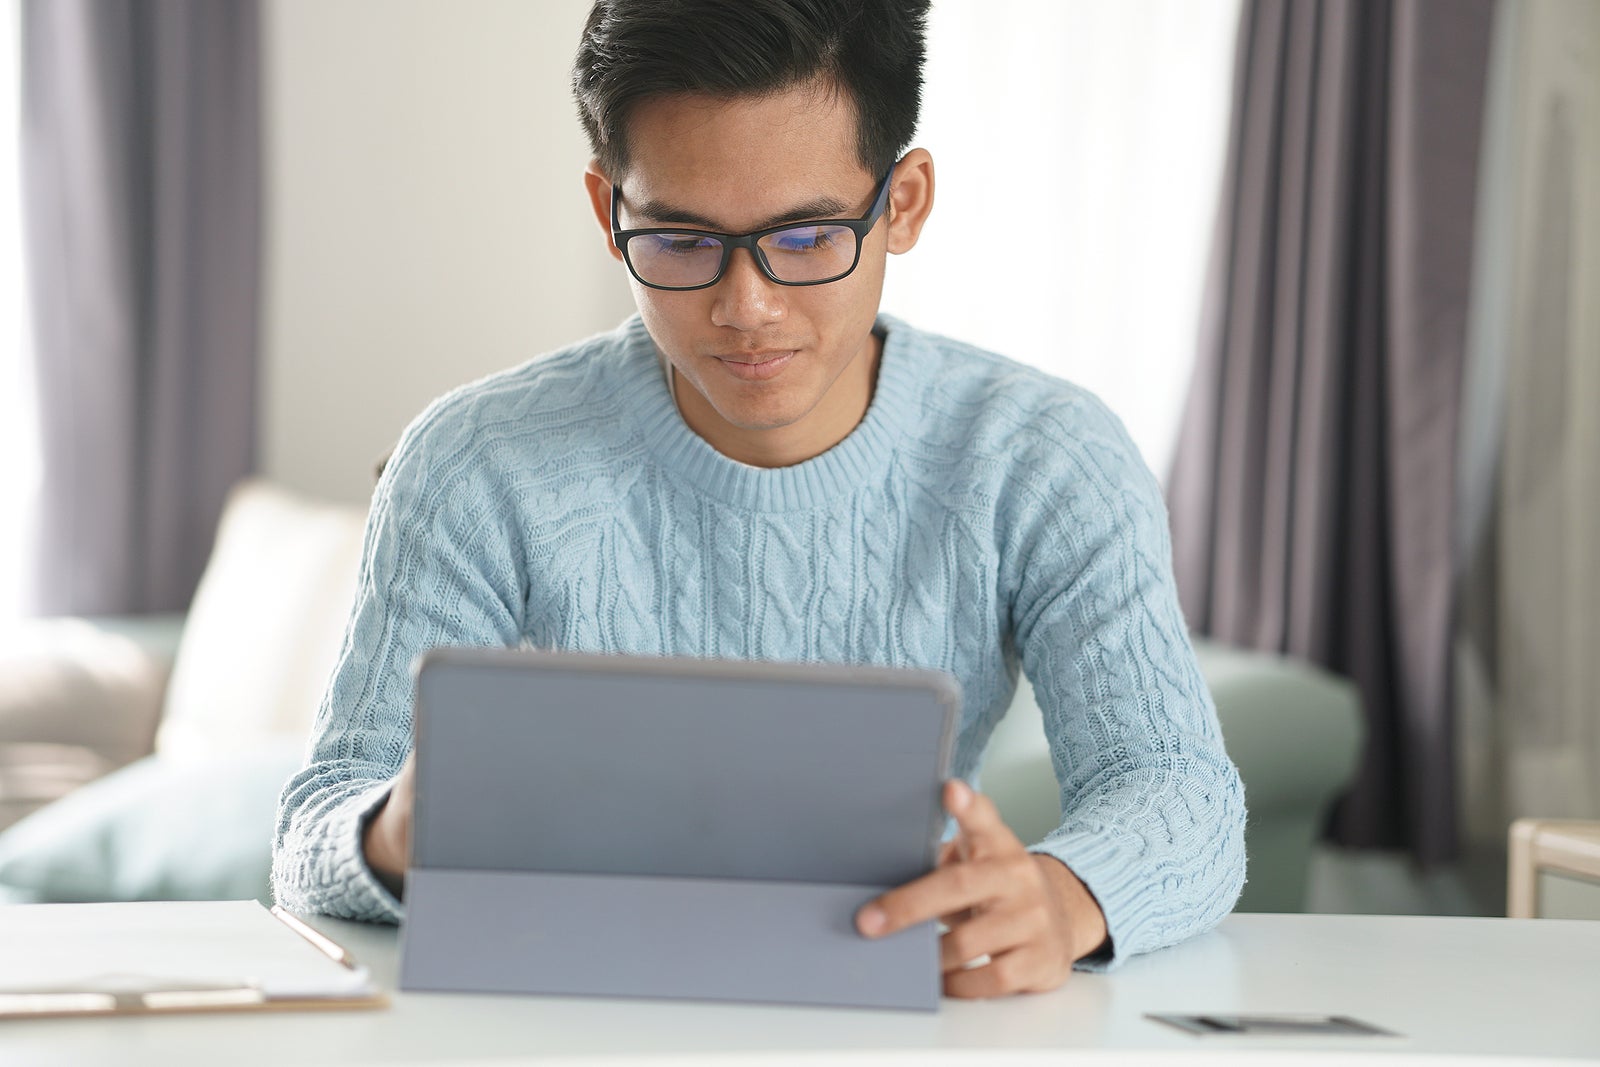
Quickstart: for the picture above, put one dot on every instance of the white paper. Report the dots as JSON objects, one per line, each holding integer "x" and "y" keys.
{"x": 165, "y": 945}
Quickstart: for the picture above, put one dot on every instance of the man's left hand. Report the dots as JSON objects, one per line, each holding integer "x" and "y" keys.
{"x": 1028, "y": 913}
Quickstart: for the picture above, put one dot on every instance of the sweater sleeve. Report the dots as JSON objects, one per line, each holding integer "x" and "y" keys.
{"x": 1153, "y": 808}
{"x": 438, "y": 568}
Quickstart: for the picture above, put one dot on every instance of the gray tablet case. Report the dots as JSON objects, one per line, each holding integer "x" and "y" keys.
{"x": 640, "y": 826}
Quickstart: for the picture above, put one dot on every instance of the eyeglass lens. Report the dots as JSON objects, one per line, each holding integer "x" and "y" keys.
{"x": 798, "y": 254}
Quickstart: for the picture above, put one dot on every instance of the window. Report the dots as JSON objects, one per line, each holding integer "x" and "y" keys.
{"x": 1101, "y": 123}
{"x": 19, "y": 456}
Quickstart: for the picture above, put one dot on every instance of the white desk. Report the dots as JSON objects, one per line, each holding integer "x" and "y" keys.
{"x": 1481, "y": 990}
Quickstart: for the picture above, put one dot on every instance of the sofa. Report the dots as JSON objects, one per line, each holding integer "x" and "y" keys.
{"x": 141, "y": 758}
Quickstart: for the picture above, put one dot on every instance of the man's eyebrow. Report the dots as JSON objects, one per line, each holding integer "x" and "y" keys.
{"x": 824, "y": 207}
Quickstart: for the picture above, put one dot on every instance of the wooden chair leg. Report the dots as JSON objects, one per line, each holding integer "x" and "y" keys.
{"x": 1521, "y": 874}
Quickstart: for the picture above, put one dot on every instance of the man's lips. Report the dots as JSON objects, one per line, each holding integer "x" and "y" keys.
{"x": 757, "y": 366}
{"x": 766, "y": 355}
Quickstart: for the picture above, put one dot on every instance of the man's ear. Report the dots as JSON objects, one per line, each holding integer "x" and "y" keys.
{"x": 599, "y": 188}
{"x": 910, "y": 199}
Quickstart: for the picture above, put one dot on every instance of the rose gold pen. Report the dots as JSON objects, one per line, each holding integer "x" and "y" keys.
{"x": 323, "y": 943}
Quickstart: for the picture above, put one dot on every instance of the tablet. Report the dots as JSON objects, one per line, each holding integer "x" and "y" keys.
{"x": 672, "y": 827}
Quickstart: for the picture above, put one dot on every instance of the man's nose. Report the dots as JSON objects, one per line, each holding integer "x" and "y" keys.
{"x": 747, "y": 299}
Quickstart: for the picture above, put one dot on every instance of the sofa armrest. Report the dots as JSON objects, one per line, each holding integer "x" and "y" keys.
{"x": 95, "y": 684}
{"x": 1293, "y": 730}
{"x": 157, "y": 635}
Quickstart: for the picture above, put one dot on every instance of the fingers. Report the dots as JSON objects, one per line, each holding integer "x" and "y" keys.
{"x": 945, "y": 891}
{"x": 948, "y": 854}
{"x": 999, "y": 952}
{"x": 943, "y": 894}
{"x": 1017, "y": 971}
{"x": 987, "y": 934}
{"x": 978, "y": 820}
{"x": 973, "y": 869}
{"x": 954, "y": 918}
{"x": 999, "y": 904}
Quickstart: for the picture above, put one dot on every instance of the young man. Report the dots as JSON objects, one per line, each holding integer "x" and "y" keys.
{"x": 761, "y": 466}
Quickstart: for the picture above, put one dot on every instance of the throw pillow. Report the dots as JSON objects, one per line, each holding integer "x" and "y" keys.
{"x": 158, "y": 829}
{"x": 267, "y": 623}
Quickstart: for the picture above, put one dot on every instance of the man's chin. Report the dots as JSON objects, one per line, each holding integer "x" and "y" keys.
{"x": 752, "y": 405}
{"x": 760, "y": 421}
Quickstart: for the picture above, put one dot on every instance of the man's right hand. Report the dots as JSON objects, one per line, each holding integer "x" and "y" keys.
{"x": 387, "y": 841}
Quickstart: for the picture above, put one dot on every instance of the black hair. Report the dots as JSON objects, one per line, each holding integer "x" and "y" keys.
{"x": 870, "y": 50}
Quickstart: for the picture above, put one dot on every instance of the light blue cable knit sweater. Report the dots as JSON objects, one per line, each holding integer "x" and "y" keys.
{"x": 983, "y": 514}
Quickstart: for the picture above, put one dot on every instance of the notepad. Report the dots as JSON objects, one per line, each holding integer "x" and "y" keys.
{"x": 169, "y": 956}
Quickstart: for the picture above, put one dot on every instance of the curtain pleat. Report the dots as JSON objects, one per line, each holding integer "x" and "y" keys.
{"x": 141, "y": 185}
{"x": 1311, "y": 493}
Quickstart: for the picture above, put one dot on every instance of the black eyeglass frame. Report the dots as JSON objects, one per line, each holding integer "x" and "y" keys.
{"x": 731, "y": 241}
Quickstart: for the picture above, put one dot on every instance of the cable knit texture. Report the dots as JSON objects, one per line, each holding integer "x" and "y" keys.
{"x": 983, "y": 517}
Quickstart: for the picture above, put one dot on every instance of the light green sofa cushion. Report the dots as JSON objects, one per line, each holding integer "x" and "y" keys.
{"x": 159, "y": 829}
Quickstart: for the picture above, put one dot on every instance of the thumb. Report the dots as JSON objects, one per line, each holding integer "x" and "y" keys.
{"x": 977, "y": 819}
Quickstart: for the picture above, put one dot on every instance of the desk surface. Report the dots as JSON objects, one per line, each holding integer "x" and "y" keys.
{"x": 1482, "y": 990}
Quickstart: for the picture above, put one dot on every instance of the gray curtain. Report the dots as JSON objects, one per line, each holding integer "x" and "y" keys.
{"x": 141, "y": 176}
{"x": 1312, "y": 491}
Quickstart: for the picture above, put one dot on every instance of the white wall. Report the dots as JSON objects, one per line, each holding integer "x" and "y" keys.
{"x": 425, "y": 222}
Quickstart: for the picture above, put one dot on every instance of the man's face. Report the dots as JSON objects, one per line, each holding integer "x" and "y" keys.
{"x": 775, "y": 373}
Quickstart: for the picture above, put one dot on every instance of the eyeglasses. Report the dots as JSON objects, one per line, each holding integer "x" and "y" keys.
{"x": 810, "y": 253}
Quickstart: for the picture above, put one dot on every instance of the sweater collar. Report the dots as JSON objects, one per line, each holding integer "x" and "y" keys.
{"x": 862, "y": 457}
